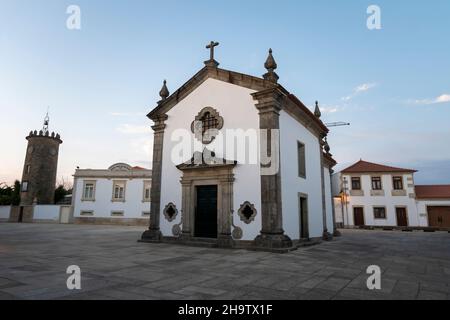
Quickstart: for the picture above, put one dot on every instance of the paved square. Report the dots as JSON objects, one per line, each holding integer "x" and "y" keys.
{"x": 34, "y": 258}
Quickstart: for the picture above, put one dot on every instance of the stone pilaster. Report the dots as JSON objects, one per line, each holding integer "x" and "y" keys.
{"x": 272, "y": 234}
{"x": 186, "y": 190}
{"x": 325, "y": 235}
{"x": 154, "y": 233}
{"x": 224, "y": 238}
{"x": 336, "y": 233}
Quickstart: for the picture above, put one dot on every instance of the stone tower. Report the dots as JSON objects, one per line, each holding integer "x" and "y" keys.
{"x": 41, "y": 162}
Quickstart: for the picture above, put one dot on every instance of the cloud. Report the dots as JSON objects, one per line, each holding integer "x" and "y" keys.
{"x": 443, "y": 98}
{"x": 330, "y": 109}
{"x": 359, "y": 89}
{"x": 143, "y": 147}
{"x": 133, "y": 129}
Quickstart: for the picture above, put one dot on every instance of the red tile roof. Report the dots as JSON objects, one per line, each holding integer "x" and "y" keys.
{"x": 433, "y": 192}
{"x": 364, "y": 166}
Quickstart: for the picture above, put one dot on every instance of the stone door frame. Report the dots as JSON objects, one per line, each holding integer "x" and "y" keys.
{"x": 223, "y": 177}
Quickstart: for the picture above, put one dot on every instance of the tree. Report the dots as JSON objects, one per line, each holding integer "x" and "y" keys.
{"x": 64, "y": 188}
{"x": 15, "y": 198}
{"x": 60, "y": 193}
{"x": 10, "y": 195}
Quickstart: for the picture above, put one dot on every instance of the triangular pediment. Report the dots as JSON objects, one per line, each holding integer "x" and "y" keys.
{"x": 291, "y": 103}
{"x": 236, "y": 78}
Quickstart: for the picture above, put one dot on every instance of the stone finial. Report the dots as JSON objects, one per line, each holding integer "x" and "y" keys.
{"x": 41, "y": 132}
{"x": 35, "y": 133}
{"x": 317, "y": 112}
{"x": 31, "y": 133}
{"x": 58, "y": 136}
{"x": 53, "y": 134}
{"x": 271, "y": 65}
{"x": 164, "y": 93}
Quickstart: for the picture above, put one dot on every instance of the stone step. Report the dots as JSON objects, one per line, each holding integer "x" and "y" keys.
{"x": 194, "y": 242}
{"x": 200, "y": 244}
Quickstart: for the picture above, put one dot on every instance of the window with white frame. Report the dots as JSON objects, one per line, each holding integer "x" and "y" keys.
{"x": 119, "y": 190}
{"x": 117, "y": 213}
{"x": 397, "y": 183}
{"x": 147, "y": 191}
{"x": 89, "y": 191}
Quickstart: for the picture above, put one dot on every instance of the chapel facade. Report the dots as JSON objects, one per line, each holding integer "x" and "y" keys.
{"x": 239, "y": 161}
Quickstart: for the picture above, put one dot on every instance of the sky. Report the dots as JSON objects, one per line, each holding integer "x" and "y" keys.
{"x": 99, "y": 82}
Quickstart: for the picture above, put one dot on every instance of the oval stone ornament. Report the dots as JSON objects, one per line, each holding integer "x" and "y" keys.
{"x": 237, "y": 233}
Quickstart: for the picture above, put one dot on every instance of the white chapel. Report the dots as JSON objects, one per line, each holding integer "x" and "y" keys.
{"x": 239, "y": 162}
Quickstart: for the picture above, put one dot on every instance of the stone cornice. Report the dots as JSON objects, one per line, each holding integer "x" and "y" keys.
{"x": 269, "y": 100}
{"x": 236, "y": 78}
{"x": 328, "y": 160}
{"x": 264, "y": 89}
{"x": 302, "y": 114}
{"x": 108, "y": 174}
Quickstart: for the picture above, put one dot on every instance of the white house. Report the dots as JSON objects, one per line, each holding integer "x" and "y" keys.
{"x": 240, "y": 161}
{"x": 373, "y": 195}
{"x": 120, "y": 194}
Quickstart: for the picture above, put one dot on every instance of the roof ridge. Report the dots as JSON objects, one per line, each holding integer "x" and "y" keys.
{"x": 367, "y": 166}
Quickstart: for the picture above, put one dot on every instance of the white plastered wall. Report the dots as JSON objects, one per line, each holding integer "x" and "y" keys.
{"x": 237, "y": 107}
{"x": 292, "y": 131}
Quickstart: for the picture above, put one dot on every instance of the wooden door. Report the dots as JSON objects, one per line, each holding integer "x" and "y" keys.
{"x": 358, "y": 216}
{"x": 206, "y": 212}
{"x": 402, "y": 218}
{"x": 439, "y": 217}
{"x": 304, "y": 229}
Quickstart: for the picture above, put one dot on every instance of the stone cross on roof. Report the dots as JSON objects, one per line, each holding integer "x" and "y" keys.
{"x": 211, "y": 62}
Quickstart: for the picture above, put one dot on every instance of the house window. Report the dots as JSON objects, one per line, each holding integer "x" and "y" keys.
{"x": 379, "y": 213}
{"x": 146, "y": 213}
{"x": 147, "y": 191}
{"x": 28, "y": 168}
{"x": 376, "y": 183}
{"x": 89, "y": 191}
{"x": 119, "y": 190}
{"x": 117, "y": 213}
{"x": 356, "y": 183}
{"x": 86, "y": 213}
{"x": 398, "y": 183}
{"x": 301, "y": 160}
{"x": 24, "y": 186}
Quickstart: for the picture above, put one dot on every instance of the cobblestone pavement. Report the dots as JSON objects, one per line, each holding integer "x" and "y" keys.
{"x": 34, "y": 258}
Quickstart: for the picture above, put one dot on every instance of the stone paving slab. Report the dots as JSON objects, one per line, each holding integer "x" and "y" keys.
{"x": 34, "y": 258}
